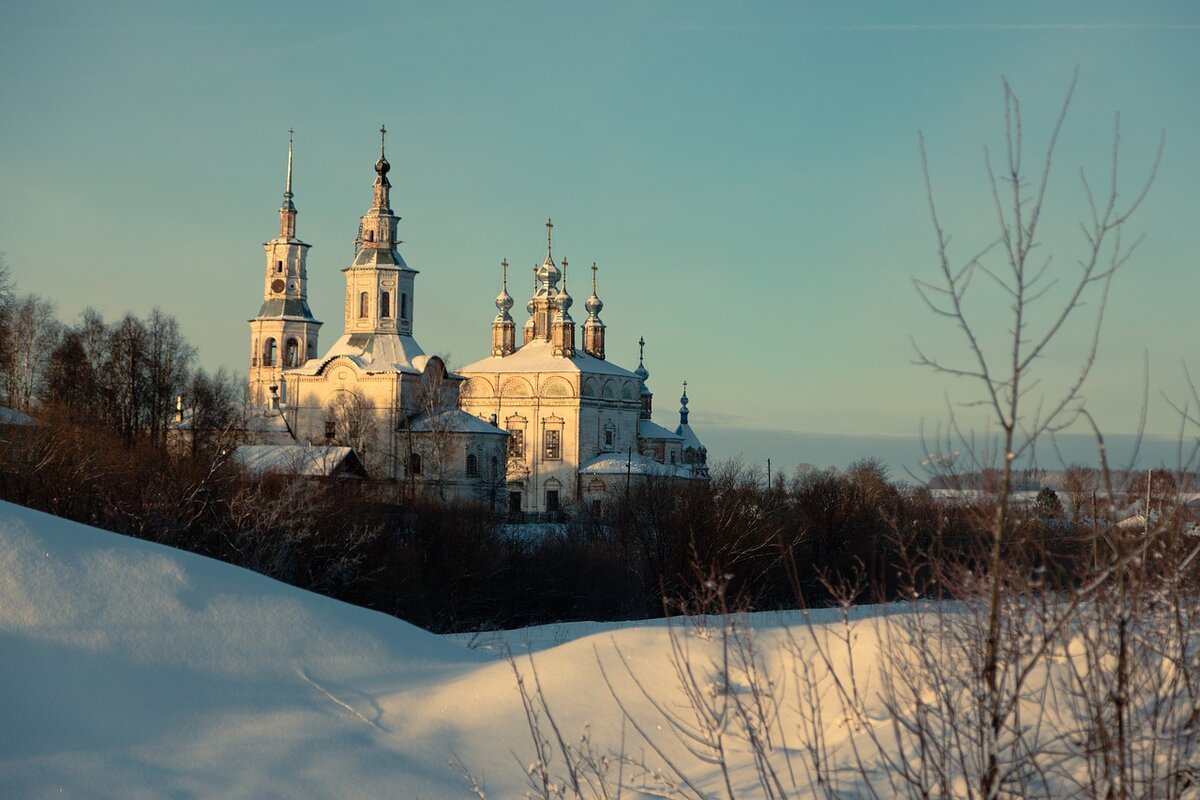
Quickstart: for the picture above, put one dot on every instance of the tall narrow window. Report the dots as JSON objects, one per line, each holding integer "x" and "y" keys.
{"x": 404, "y": 305}
{"x": 363, "y": 302}
{"x": 552, "y": 500}
{"x": 279, "y": 266}
{"x": 472, "y": 465}
{"x": 516, "y": 443}
{"x": 292, "y": 353}
{"x": 385, "y": 305}
{"x": 269, "y": 353}
{"x": 370, "y": 236}
{"x": 553, "y": 445}
{"x": 414, "y": 464}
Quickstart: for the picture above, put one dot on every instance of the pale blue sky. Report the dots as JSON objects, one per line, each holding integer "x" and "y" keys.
{"x": 745, "y": 174}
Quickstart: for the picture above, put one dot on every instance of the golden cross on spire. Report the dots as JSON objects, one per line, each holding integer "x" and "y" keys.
{"x": 564, "y": 274}
{"x": 504, "y": 267}
{"x": 382, "y": 139}
{"x": 549, "y": 230}
{"x": 593, "y": 277}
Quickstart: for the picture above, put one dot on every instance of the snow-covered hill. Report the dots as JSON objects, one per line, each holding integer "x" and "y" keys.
{"x": 128, "y": 670}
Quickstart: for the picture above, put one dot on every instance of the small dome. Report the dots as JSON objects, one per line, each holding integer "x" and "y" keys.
{"x": 594, "y": 305}
{"x": 504, "y": 302}
{"x": 564, "y": 301}
{"x": 530, "y": 307}
{"x": 642, "y": 373}
{"x": 382, "y": 166}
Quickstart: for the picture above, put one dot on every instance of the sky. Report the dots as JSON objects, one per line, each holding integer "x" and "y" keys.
{"x": 746, "y": 176}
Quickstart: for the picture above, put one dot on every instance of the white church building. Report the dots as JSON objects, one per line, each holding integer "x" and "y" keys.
{"x": 540, "y": 427}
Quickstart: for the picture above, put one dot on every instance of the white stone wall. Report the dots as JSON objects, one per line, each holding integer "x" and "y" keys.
{"x": 551, "y": 400}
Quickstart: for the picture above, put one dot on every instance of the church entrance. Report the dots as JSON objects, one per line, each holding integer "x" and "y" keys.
{"x": 514, "y": 502}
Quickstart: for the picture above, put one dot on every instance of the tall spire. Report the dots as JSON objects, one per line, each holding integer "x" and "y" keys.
{"x": 562, "y": 329}
{"x": 504, "y": 330}
{"x": 382, "y": 185}
{"x": 643, "y": 375}
{"x": 287, "y": 189}
{"x": 593, "y": 327}
{"x": 683, "y": 406}
{"x": 287, "y": 211}
{"x": 543, "y": 305}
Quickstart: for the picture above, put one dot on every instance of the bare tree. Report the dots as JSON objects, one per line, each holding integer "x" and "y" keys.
{"x": 32, "y": 331}
{"x": 1004, "y": 373}
{"x": 350, "y": 419}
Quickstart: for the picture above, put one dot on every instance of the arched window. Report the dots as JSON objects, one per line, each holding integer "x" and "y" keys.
{"x": 404, "y": 305}
{"x": 385, "y": 305}
{"x": 414, "y": 464}
{"x": 291, "y": 355}
{"x": 363, "y": 303}
{"x": 472, "y": 465}
{"x": 269, "y": 353}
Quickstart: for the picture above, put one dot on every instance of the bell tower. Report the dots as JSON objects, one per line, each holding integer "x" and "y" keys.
{"x": 284, "y": 334}
{"x": 379, "y": 285}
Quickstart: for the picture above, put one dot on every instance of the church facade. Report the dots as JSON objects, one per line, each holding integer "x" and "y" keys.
{"x": 538, "y": 426}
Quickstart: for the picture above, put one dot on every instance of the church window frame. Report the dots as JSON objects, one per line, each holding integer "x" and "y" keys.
{"x": 330, "y": 428}
{"x": 279, "y": 266}
{"x": 404, "y": 305}
{"x": 472, "y": 465}
{"x": 291, "y": 358}
{"x": 268, "y": 355}
{"x": 610, "y": 436}
{"x": 516, "y": 426}
{"x": 414, "y": 464}
{"x": 385, "y": 305}
{"x": 370, "y": 236}
{"x": 552, "y": 439}
{"x": 364, "y": 304}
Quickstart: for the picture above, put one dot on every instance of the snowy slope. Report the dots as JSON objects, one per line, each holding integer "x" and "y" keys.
{"x": 131, "y": 669}
{"x": 128, "y": 670}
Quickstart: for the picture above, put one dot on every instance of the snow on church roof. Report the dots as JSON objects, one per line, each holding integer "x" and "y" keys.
{"x": 538, "y": 356}
{"x": 9, "y": 416}
{"x": 372, "y": 353}
{"x": 652, "y": 430}
{"x": 632, "y": 464}
{"x": 298, "y": 459}
{"x": 453, "y": 421}
{"x": 689, "y": 437}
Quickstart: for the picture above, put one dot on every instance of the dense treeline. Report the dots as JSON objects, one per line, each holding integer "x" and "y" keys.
{"x": 104, "y": 395}
{"x": 460, "y": 567}
{"x": 124, "y": 376}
